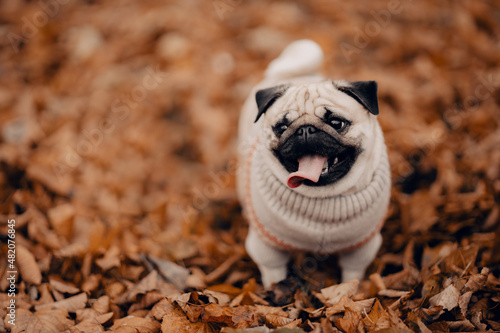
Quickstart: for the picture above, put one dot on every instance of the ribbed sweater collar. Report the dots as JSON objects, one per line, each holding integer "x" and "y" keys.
{"x": 339, "y": 208}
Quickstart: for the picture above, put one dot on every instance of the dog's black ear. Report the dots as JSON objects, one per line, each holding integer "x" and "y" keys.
{"x": 266, "y": 97}
{"x": 365, "y": 92}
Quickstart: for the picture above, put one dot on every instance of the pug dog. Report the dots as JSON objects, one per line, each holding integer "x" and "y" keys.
{"x": 314, "y": 174}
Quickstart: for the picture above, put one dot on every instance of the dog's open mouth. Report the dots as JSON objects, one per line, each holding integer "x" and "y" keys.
{"x": 314, "y": 169}
{"x": 316, "y": 161}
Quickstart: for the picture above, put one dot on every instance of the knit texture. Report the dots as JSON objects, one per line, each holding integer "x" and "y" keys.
{"x": 289, "y": 220}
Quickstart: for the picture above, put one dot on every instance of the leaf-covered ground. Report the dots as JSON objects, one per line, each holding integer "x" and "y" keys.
{"x": 117, "y": 161}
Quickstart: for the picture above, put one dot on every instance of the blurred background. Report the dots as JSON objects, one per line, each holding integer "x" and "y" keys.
{"x": 118, "y": 122}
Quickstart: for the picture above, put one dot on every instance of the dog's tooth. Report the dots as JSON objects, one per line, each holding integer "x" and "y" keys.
{"x": 325, "y": 168}
{"x": 336, "y": 160}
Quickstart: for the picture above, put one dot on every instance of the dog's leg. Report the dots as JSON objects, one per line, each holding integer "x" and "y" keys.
{"x": 354, "y": 263}
{"x": 272, "y": 262}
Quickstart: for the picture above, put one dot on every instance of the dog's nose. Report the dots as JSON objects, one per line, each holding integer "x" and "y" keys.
{"x": 306, "y": 131}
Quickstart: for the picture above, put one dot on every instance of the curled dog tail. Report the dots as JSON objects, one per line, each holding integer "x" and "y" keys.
{"x": 300, "y": 58}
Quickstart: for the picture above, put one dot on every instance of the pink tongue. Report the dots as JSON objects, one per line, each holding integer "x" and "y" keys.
{"x": 310, "y": 167}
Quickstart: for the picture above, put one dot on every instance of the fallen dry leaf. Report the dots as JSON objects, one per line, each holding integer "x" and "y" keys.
{"x": 175, "y": 321}
{"x": 362, "y": 306}
{"x": 71, "y": 304}
{"x": 111, "y": 259}
{"x": 87, "y": 326}
{"x": 350, "y": 322}
{"x": 28, "y": 267}
{"x": 448, "y": 298}
{"x": 477, "y": 281}
{"x": 42, "y": 321}
{"x": 173, "y": 273}
{"x": 161, "y": 308}
{"x": 138, "y": 324}
{"x": 377, "y": 319}
{"x": 332, "y": 295}
{"x": 63, "y": 287}
{"x": 61, "y": 219}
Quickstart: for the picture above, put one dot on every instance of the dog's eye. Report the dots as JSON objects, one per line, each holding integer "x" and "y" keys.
{"x": 279, "y": 129}
{"x": 338, "y": 124}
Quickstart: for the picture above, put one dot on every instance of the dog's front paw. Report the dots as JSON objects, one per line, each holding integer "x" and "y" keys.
{"x": 355, "y": 262}
{"x": 272, "y": 275}
{"x": 348, "y": 275}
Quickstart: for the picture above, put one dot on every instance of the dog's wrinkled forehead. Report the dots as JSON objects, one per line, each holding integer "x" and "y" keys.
{"x": 308, "y": 99}
{"x": 315, "y": 98}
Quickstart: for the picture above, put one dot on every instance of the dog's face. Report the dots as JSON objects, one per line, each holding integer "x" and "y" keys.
{"x": 318, "y": 131}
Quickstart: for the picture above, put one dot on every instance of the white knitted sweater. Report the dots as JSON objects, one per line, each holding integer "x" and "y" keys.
{"x": 289, "y": 220}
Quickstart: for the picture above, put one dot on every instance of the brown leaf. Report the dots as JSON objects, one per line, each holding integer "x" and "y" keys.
{"x": 377, "y": 281}
{"x": 71, "y": 304}
{"x": 345, "y": 302}
{"x": 422, "y": 216}
{"x": 293, "y": 324}
{"x": 43, "y": 321}
{"x": 477, "y": 281}
{"x": 46, "y": 176}
{"x": 173, "y": 273}
{"x": 39, "y": 230}
{"x": 185, "y": 300}
{"x": 217, "y": 314}
{"x": 175, "y": 321}
{"x": 142, "y": 325}
{"x": 92, "y": 315}
{"x": 403, "y": 280}
{"x": 63, "y": 287}
{"x": 460, "y": 261}
{"x": 216, "y": 297}
{"x": 226, "y": 289}
{"x": 91, "y": 283}
{"x": 190, "y": 304}
{"x": 393, "y": 293}
{"x": 161, "y": 308}
{"x": 332, "y": 295}
{"x": 197, "y": 278}
{"x": 377, "y": 319}
{"x": 460, "y": 325}
{"x": 463, "y": 302}
{"x": 275, "y": 320}
{"x": 248, "y": 298}
{"x": 87, "y": 326}
{"x": 46, "y": 295}
{"x": 435, "y": 254}
{"x": 244, "y": 317}
{"x": 431, "y": 287}
{"x": 324, "y": 326}
{"x": 61, "y": 219}
{"x": 351, "y": 322}
{"x": 28, "y": 267}
{"x": 223, "y": 268}
{"x": 422, "y": 327}
{"x": 476, "y": 319}
{"x": 146, "y": 300}
{"x": 448, "y": 298}
{"x": 439, "y": 326}
{"x": 101, "y": 305}
{"x": 494, "y": 324}
{"x": 149, "y": 283}
{"x": 266, "y": 310}
{"x": 396, "y": 322}
{"x": 111, "y": 259}
{"x": 131, "y": 272}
